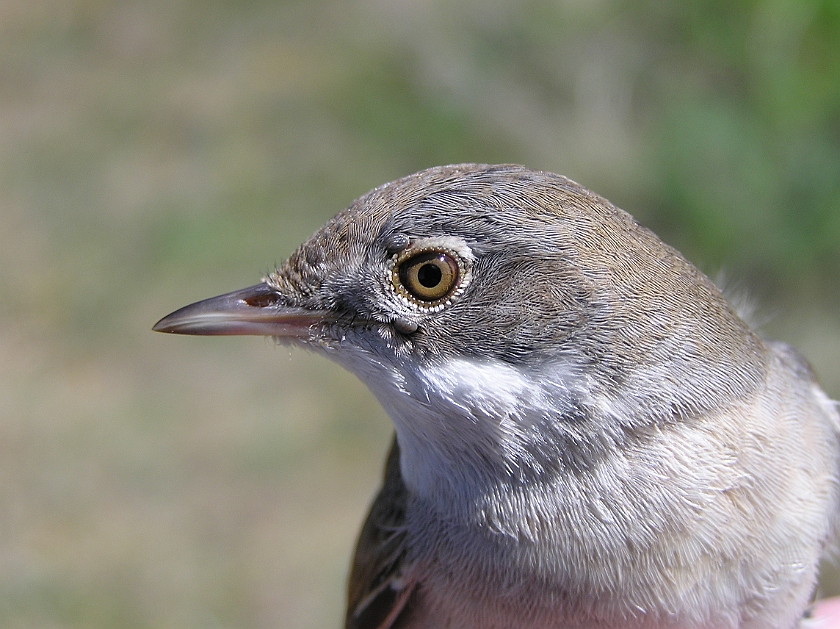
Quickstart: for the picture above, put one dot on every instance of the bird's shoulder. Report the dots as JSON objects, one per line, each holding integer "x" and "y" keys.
{"x": 381, "y": 586}
{"x": 793, "y": 360}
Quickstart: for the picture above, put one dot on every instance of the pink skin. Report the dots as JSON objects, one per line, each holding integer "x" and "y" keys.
{"x": 826, "y": 614}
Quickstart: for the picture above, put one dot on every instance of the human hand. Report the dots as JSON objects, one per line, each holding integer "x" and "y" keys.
{"x": 825, "y": 615}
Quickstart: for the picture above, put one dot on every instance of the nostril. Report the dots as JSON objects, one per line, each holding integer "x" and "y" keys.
{"x": 262, "y": 300}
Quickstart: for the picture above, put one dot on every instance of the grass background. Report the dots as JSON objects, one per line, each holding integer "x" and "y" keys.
{"x": 153, "y": 153}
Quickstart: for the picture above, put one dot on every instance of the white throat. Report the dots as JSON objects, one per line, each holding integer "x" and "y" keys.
{"x": 462, "y": 423}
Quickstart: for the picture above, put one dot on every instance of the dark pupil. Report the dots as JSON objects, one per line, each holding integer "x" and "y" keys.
{"x": 429, "y": 275}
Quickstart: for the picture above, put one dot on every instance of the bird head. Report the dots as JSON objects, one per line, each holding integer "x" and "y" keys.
{"x": 510, "y": 321}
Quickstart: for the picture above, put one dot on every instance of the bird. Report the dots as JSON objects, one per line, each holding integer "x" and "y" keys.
{"x": 587, "y": 433}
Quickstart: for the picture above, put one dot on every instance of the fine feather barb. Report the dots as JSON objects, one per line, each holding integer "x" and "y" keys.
{"x": 379, "y": 589}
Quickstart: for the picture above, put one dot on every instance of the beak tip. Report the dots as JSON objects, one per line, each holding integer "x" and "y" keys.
{"x": 161, "y": 326}
{"x": 168, "y": 324}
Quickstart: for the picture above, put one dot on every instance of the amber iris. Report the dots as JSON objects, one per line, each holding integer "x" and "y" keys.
{"x": 429, "y": 276}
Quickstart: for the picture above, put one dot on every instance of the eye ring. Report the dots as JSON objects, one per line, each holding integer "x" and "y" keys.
{"x": 428, "y": 278}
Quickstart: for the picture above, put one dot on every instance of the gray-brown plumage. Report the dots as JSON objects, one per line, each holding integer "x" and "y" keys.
{"x": 376, "y": 595}
{"x": 587, "y": 434}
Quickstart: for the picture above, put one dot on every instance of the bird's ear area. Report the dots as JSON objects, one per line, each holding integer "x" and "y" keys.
{"x": 257, "y": 310}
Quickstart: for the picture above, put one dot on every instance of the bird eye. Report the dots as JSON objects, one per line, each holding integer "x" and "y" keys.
{"x": 427, "y": 278}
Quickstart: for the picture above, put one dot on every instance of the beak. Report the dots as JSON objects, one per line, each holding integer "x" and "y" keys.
{"x": 256, "y": 310}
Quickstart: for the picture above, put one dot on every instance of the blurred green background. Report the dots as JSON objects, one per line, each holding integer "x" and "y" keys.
{"x": 155, "y": 152}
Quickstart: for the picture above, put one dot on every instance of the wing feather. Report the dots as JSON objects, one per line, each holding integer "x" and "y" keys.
{"x": 380, "y": 589}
